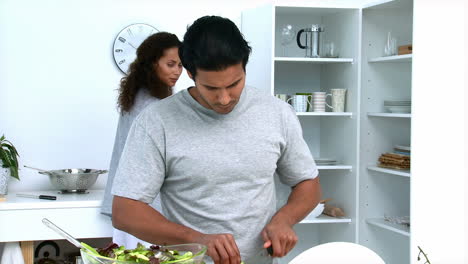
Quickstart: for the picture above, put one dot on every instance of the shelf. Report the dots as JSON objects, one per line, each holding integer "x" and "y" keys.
{"x": 335, "y": 167}
{"x": 325, "y": 114}
{"x": 380, "y": 222}
{"x": 400, "y": 115}
{"x": 388, "y": 4}
{"x": 396, "y": 58}
{"x": 404, "y": 173}
{"x": 315, "y": 60}
{"x": 325, "y": 219}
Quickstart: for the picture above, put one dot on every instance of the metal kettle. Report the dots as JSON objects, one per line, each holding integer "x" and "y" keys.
{"x": 312, "y": 40}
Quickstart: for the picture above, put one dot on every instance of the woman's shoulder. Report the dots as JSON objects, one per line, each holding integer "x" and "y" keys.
{"x": 142, "y": 101}
{"x": 161, "y": 107}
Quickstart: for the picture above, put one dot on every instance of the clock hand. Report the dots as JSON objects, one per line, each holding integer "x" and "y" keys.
{"x": 131, "y": 45}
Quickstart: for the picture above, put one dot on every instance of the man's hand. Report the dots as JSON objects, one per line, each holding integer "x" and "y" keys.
{"x": 281, "y": 236}
{"x": 279, "y": 232}
{"x": 222, "y": 248}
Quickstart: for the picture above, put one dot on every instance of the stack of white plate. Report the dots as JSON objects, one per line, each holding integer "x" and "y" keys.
{"x": 398, "y": 106}
{"x": 325, "y": 162}
{"x": 403, "y": 150}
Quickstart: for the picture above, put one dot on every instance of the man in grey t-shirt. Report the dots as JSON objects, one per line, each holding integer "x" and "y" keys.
{"x": 211, "y": 152}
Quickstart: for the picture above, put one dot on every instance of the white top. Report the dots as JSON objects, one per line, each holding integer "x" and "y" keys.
{"x": 91, "y": 199}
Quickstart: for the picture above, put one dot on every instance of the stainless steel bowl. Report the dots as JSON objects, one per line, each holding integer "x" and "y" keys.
{"x": 73, "y": 180}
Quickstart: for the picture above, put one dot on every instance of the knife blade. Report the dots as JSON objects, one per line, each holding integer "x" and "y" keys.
{"x": 259, "y": 258}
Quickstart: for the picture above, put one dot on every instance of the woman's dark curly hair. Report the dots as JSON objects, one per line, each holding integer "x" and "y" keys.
{"x": 141, "y": 73}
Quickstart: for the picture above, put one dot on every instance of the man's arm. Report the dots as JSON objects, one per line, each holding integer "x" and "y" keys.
{"x": 146, "y": 223}
{"x": 142, "y": 221}
{"x": 279, "y": 232}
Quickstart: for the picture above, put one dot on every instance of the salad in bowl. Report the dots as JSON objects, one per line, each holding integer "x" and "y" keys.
{"x": 115, "y": 254}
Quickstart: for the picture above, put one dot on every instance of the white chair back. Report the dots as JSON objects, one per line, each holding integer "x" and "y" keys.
{"x": 338, "y": 253}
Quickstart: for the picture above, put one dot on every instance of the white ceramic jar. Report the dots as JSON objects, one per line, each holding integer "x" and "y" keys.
{"x": 4, "y": 178}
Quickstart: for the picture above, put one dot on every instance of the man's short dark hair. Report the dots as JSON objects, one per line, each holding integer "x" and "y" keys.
{"x": 213, "y": 43}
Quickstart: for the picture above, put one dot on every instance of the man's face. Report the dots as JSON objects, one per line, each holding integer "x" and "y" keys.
{"x": 219, "y": 90}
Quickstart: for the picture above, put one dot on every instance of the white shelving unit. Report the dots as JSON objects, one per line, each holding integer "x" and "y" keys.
{"x": 334, "y": 167}
{"x": 395, "y": 58}
{"x": 325, "y": 114}
{"x": 315, "y": 60}
{"x": 400, "y": 115}
{"x": 325, "y": 219}
{"x": 396, "y": 228}
{"x": 384, "y": 191}
{"x": 404, "y": 173}
{"x": 328, "y": 134}
{"x": 365, "y": 193}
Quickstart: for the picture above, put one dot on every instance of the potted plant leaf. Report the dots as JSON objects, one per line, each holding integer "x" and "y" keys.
{"x": 9, "y": 164}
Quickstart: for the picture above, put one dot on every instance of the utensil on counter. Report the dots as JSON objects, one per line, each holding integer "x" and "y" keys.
{"x": 67, "y": 236}
{"x": 62, "y": 232}
{"x": 71, "y": 180}
{"x": 40, "y": 196}
{"x": 160, "y": 253}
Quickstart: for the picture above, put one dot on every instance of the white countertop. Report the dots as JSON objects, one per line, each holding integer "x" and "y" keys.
{"x": 93, "y": 198}
{"x": 79, "y": 214}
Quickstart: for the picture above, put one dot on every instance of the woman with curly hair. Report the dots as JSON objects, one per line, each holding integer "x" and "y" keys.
{"x": 150, "y": 78}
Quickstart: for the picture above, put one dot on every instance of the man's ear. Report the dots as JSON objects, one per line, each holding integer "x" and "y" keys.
{"x": 190, "y": 75}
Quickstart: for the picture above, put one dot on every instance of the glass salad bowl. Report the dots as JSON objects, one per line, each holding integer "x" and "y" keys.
{"x": 184, "y": 254}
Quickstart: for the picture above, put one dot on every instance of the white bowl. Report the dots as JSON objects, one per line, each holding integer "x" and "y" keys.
{"x": 317, "y": 211}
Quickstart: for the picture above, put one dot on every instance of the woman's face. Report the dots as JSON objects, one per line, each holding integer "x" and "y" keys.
{"x": 168, "y": 67}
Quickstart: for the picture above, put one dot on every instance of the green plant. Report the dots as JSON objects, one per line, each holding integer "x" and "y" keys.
{"x": 9, "y": 156}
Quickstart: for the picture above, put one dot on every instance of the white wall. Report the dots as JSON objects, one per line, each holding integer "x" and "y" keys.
{"x": 58, "y": 80}
{"x": 439, "y": 221}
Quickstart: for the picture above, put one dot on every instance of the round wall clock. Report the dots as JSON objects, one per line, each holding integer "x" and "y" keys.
{"x": 127, "y": 42}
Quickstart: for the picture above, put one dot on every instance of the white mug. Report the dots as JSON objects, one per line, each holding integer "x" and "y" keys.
{"x": 338, "y": 98}
{"x": 299, "y": 102}
{"x": 319, "y": 102}
{"x": 283, "y": 97}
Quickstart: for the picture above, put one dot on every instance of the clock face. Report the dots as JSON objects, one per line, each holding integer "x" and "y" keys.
{"x": 127, "y": 42}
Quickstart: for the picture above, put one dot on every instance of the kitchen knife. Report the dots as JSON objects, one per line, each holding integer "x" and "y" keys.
{"x": 259, "y": 258}
{"x": 44, "y": 197}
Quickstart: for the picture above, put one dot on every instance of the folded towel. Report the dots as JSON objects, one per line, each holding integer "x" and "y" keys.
{"x": 12, "y": 253}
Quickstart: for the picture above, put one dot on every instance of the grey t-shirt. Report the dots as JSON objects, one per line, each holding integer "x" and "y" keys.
{"x": 142, "y": 99}
{"x": 215, "y": 172}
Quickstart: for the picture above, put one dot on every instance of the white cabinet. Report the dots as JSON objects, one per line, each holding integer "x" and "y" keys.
{"x": 356, "y": 137}
{"x": 384, "y": 192}
{"x": 78, "y": 214}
